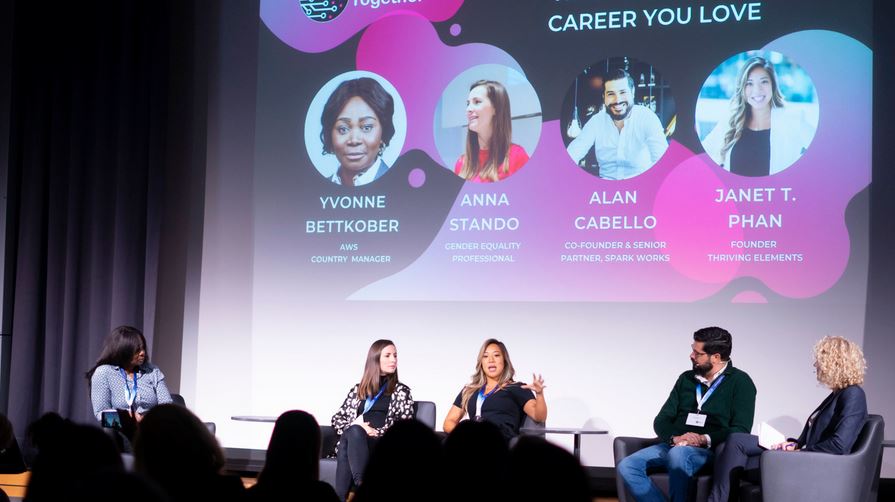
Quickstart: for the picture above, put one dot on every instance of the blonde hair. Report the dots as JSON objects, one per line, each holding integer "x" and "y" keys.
{"x": 741, "y": 111}
{"x": 478, "y": 378}
{"x": 839, "y": 362}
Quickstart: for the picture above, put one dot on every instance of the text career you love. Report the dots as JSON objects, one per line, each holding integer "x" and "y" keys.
{"x": 370, "y": 225}
{"x": 620, "y": 19}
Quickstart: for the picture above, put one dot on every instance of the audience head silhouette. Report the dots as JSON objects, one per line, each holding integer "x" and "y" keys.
{"x": 294, "y": 449}
{"x": 291, "y": 469}
{"x": 559, "y": 475}
{"x": 176, "y": 450}
{"x": 71, "y": 459}
{"x": 411, "y": 450}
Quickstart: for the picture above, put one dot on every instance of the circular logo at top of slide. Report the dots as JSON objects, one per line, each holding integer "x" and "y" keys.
{"x": 322, "y": 11}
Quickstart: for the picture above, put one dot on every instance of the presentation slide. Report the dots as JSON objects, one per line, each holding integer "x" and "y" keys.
{"x": 589, "y": 181}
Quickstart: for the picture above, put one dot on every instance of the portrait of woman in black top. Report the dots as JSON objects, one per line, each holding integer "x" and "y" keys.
{"x": 763, "y": 134}
{"x": 493, "y": 396}
{"x": 369, "y": 409}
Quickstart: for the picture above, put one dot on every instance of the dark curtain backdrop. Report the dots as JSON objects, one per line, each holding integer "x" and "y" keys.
{"x": 102, "y": 129}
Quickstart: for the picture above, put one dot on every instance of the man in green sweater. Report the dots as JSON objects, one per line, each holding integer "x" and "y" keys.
{"x": 706, "y": 404}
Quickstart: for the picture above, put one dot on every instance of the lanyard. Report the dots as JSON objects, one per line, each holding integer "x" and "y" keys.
{"x": 700, "y": 400}
{"x": 480, "y": 400}
{"x": 369, "y": 402}
{"x": 128, "y": 396}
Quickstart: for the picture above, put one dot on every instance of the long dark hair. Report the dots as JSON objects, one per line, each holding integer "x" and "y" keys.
{"x": 120, "y": 347}
{"x": 369, "y": 382}
{"x": 293, "y": 454}
{"x": 742, "y": 112}
{"x": 501, "y": 137}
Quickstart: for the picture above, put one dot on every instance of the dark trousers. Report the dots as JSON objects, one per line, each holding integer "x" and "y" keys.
{"x": 739, "y": 453}
{"x": 354, "y": 451}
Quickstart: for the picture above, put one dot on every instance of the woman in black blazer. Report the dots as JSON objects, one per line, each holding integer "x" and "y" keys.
{"x": 832, "y": 428}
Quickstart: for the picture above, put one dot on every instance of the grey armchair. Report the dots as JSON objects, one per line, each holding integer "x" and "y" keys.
{"x": 623, "y": 446}
{"x": 424, "y": 411}
{"x": 180, "y": 401}
{"x": 814, "y": 477}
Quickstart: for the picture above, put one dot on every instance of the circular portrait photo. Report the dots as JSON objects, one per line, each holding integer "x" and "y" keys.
{"x": 757, "y": 113}
{"x": 355, "y": 128}
{"x": 487, "y": 123}
{"x": 617, "y": 117}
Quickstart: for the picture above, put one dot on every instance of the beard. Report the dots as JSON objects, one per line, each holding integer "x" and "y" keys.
{"x": 619, "y": 116}
{"x": 702, "y": 369}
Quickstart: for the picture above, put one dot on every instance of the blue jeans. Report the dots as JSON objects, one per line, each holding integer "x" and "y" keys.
{"x": 681, "y": 462}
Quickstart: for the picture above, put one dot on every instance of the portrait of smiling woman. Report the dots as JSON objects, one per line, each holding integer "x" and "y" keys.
{"x": 355, "y": 128}
{"x": 490, "y": 153}
{"x": 492, "y": 394}
{"x": 768, "y": 118}
{"x": 487, "y": 123}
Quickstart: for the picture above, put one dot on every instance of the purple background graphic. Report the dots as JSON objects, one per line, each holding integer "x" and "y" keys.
{"x": 425, "y": 67}
{"x": 287, "y": 21}
{"x": 401, "y": 44}
{"x": 679, "y": 191}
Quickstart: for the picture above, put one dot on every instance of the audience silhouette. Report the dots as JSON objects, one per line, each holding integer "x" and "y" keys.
{"x": 174, "y": 449}
{"x": 405, "y": 466}
{"x": 472, "y": 449}
{"x": 71, "y": 460}
{"x": 291, "y": 469}
{"x": 539, "y": 470}
{"x": 177, "y": 459}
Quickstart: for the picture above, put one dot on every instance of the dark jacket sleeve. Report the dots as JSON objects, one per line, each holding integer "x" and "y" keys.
{"x": 849, "y": 415}
{"x": 346, "y": 413}
{"x": 663, "y": 424}
{"x": 399, "y": 408}
{"x": 742, "y": 410}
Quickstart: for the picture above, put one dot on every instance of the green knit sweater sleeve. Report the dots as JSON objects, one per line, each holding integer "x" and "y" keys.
{"x": 664, "y": 423}
{"x": 742, "y": 409}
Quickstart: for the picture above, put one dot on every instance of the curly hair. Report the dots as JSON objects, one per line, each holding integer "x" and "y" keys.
{"x": 839, "y": 362}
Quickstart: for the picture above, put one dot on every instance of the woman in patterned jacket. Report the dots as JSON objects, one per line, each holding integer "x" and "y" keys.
{"x": 370, "y": 408}
{"x": 123, "y": 378}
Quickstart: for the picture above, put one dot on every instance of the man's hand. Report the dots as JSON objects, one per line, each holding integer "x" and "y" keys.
{"x": 689, "y": 439}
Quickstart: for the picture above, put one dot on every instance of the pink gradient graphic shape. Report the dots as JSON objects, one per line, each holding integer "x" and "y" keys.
{"x": 550, "y": 194}
{"x": 749, "y": 297}
{"x": 423, "y": 69}
{"x": 287, "y": 21}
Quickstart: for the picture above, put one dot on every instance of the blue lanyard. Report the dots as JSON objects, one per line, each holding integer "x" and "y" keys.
{"x": 701, "y": 400}
{"x": 369, "y": 402}
{"x": 481, "y": 399}
{"x": 130, "y": 398}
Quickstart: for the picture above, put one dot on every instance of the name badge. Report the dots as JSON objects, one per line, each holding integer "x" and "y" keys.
{"x": 696, "y": 419}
